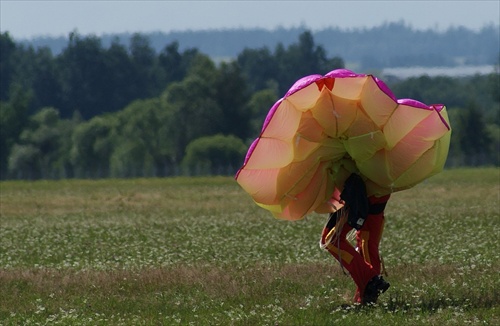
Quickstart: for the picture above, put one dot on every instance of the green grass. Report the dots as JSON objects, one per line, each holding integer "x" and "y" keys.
{"x": 197, "y": 251}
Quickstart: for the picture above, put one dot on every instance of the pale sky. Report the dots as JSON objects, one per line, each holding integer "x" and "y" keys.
{"x": 27, "y": 19}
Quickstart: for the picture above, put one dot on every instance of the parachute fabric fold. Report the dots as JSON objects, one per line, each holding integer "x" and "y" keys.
{"x": 327, "y": 127}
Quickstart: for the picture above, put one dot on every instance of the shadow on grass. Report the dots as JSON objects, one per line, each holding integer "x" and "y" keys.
{"x": 433, "y": 303}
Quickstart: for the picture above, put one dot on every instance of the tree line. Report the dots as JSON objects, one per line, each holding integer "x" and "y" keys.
{"x": 391, "y": 44}
{"x": 94, "y": 112}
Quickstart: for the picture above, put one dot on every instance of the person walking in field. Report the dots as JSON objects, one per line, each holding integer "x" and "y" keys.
{"x": 366, "y": 215}
{"x": 324, "y": 128}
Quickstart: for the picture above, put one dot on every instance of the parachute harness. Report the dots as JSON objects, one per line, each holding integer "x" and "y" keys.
{"x": 339, "y": 217}
{"x": 354, "y": 212}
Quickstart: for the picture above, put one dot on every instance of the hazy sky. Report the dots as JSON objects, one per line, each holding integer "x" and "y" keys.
{"x": 25, "y": 19}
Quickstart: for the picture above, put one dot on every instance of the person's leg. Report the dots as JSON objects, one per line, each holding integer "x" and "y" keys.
{"x": 369, "y": 236}
{"x": 339, "y": 247}
{"x": 368, "y": 240}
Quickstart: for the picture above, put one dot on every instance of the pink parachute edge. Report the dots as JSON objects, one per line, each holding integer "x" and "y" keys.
{"x": 338, "y": 73}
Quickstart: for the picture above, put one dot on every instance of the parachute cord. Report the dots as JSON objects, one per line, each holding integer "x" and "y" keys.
{"x": 338, "y": 231}
{"x": 383, "y": 271}
{"x": 335, "y": 234}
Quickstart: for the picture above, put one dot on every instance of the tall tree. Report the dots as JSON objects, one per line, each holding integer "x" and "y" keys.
{"x": 119, "y": 79}
{"x": 145, "y": 145}
{"x": 259, "y": 67}
{"x": 475, "y": 141}
{"x": 13, "y": 119}
{"x": 301, "y": 59}
{"x": 93, "y": 142}
{"x": 174, "y": 64}
{"x": 38, "y": 152}
{"x": 144, "y": 64}
{"x": 7, "y": 66}
{"x": 46, "y": 81}
{"x": 193, "y": 101}
{"x": 82, "y": 75}
{"x": 232, "y": 96}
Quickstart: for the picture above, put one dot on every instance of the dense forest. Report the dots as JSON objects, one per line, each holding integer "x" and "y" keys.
{"x": 94, "y": 111}
{"x": 394, "y": 44}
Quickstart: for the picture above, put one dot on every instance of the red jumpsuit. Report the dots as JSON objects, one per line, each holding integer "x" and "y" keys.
{"x": 364, "y": 263}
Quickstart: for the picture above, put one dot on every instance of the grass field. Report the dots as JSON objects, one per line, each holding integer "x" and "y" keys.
{"x": 197, "y": 251}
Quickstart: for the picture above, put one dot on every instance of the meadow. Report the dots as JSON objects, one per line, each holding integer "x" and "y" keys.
{"x": 198, "y": 251}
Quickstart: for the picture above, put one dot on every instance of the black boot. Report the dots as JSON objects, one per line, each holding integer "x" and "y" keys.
{"x": 374, "y": 288}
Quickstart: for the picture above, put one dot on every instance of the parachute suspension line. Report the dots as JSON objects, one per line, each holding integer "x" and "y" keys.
{"x": 338, "y": 230}
{"x": 383, "y": 270}
{"x": 333, "y": 236}
{"x": 335, "y": 114}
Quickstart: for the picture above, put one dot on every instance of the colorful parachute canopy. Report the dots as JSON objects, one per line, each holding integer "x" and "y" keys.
{"x": 327, "y": 127}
